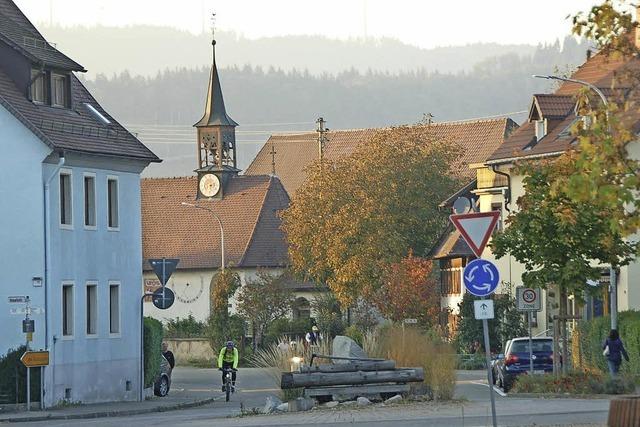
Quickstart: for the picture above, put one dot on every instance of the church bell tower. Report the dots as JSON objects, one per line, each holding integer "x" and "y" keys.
{"x": 216, "y": 141}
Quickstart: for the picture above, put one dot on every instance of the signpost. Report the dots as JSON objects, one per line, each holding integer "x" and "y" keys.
{"x": 529, "y": 300}
{"x": 480, "y": 277}
{"x": 35, "y": 359}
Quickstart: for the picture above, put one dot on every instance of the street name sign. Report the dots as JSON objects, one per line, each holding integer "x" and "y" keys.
{"x": 481, "y": 277}
{"x": 163, "y": 298}
{"x": 528, "y": 299}
{"x": 411, "y": 321}
{"x": 476, "y": 228}
{"x": 164, "y": 268}
{"x": 33, "y": 359}
{"x": 483, "y": 309}
{"x": 18, "y": 299}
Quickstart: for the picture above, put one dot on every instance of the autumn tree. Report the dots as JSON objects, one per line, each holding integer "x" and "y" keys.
{"x": 353, "y": 218}
{"x": 600, "y": 169}
{"x": 410, "y": 290}
{"x": 263, "y": 300}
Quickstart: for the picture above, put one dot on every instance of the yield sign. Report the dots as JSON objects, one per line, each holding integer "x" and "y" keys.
{"x": 164, "y": 268}
{"x": 476, "y": 228}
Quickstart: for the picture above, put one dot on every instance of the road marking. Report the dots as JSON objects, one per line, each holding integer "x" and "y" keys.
{"x": 259, "y": 390}
{"x": 496, "y": 389}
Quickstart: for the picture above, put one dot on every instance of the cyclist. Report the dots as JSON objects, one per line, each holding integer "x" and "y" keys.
{"x": 228, "y": 358}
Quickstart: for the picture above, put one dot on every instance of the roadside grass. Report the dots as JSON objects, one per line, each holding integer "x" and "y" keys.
{"x": 413, "y": 347}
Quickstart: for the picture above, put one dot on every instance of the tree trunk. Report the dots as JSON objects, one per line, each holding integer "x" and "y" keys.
{"x": 563, "y": 329}
{"x": 351, "y": 367}
{"x": 319, "y": 379}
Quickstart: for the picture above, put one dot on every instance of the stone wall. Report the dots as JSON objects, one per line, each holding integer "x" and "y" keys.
{"x": 187, "y": 350}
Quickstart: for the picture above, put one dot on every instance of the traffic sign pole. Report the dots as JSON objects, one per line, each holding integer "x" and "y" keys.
{"x": 530, "y": 318}
{"x": 485, "y": 331}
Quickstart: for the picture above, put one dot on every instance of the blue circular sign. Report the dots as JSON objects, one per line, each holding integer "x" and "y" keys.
{"x": 481, "y": 277}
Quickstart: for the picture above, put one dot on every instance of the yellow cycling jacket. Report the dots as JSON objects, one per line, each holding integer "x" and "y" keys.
{"x": 228, "y": 356}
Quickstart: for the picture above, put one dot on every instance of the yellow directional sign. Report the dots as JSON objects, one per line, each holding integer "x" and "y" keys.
{"x": 33, "y": 359}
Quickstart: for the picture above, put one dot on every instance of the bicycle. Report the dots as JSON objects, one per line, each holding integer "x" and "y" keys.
{"x": 228, "y": 387}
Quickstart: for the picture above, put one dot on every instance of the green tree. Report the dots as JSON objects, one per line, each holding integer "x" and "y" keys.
{"x": 221, "y": 326}
{"x": 508, "y": 323}
{"x": 557, "y": 238}
{"x": 351, "y": 219}
{"x": 328, "y": 314}
{"x": 263, "y": 300}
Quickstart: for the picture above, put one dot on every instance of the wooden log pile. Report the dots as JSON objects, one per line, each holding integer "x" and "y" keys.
{"x": 357, "y": 378}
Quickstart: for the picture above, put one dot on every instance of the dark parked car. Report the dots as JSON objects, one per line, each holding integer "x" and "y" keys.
{"x": 162, "y": 384}
{"x": 515, "y": 360}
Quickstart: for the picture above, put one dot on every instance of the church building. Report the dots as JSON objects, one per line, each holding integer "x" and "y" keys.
{"x": 216, "y": 219}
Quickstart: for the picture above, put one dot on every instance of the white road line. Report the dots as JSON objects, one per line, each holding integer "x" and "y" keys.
{"x": 496, "y": 389}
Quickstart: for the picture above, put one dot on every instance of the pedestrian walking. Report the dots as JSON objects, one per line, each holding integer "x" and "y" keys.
{"x": 613, "y": 349}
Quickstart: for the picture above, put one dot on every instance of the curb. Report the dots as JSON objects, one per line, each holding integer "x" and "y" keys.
{"x": 107, "y": 414}
{"x": 559, "y": 396}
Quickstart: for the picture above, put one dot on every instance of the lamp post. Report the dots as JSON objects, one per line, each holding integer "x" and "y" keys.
{"x": 613, "y": 285}
{"x": 221, "y": 229}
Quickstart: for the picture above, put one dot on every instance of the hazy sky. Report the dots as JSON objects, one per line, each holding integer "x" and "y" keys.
{"x": 425, "y": 23}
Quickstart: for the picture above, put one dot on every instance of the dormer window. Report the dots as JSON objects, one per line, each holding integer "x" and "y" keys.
{"x": 38, "y": 87}
{"x": 541, "y": 129}
{"x": 60, "y": 90}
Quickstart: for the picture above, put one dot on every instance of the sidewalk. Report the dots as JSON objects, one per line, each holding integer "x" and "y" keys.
{"x": 113, "y": 409}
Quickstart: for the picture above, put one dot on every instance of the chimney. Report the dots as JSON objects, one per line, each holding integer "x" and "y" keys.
{"x": 588, "y": 54}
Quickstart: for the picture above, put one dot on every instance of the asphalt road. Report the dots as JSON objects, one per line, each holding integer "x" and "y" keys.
{"x": 255, "y": 385}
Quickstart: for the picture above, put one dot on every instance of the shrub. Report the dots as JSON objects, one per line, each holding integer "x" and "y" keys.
{"x": 471, "y": 361}
{"x": 13, "y": 378}
{"x": 576, "y": 382}
{"x": 355, "y": 334}
{"x": 293, "y": 329}
{"x": 187, "y": 327}
{"x": 413, "y": 347}
{"x": 590, "y": 335}
{"x": 152, "y": 349}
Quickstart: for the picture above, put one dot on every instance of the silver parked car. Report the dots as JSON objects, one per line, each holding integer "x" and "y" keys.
{"x": 162, "y": 384}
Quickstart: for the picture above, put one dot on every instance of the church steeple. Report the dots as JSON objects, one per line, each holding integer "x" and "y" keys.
{"x": 216, "y": 134}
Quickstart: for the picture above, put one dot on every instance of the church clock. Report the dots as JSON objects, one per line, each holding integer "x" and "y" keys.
{"x": 209, "y": 185}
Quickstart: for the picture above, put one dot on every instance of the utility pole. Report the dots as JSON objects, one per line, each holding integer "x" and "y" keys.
{"x": 322, "y": 137}
{"x": 273, "y": 158}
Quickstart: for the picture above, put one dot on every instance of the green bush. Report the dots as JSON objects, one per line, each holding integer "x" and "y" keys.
{"x": 471, "y": 361}
{"x": 591, "y": 334}
{"x": 293, "y": 329}
{"x": 13, "y": 378}
{"x": 355, "y": 334}
{"x": 573, "y": 383}
{"x": 188, "y": 327}
{"x": 152, "y": 349}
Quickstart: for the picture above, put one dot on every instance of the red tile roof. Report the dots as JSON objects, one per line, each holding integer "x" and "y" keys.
{"x": 294, "y": 152}
{"x": 599, "y": 70}
{"x": 249, "y": 213}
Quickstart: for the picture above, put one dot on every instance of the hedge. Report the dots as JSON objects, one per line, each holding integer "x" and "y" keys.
{"x": 152, "y": 349}
{"x": 590, "y": 335}
{"x": 13, "y": 378}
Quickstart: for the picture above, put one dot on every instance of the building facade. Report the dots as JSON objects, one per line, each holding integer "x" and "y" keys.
{"x": 71, "y": 181}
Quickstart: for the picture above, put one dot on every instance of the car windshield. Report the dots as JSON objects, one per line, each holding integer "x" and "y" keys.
{"x": 538, "y": 346}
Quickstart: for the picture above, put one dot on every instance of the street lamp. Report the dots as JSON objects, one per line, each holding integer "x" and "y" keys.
{"x": 613, "y": 281}
{"x": 221, "y": 229}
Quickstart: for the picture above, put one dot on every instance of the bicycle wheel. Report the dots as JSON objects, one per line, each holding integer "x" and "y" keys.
{"x": 227, "y": 390}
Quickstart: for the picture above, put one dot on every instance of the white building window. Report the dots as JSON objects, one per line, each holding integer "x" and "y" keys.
{"x": 66, "y": 199}
{"x": 59, "y": 86}
{"x": 67, "y": 309}
{"x": 92, "y": 308}
{"x": 38, "y": 87}
{"x": 114, "y": 308}
{"x": 112, "y": 202}
{"x": 90, "y": 201}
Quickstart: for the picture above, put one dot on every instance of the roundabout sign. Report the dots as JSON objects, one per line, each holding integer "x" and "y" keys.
{"x": 481, "y": 277}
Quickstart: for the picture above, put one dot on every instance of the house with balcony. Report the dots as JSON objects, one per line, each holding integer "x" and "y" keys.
{"x": 70, "y": 221}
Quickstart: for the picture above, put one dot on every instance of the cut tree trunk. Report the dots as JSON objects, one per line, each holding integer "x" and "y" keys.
{"x": 386, "y": 365}
{"x": 319, "y": 379}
